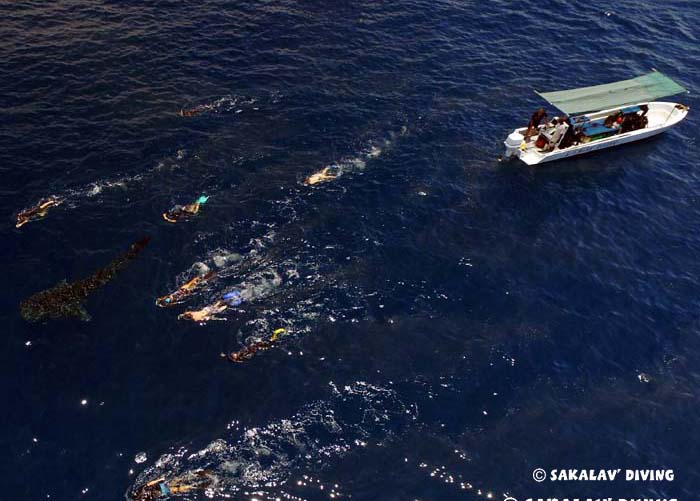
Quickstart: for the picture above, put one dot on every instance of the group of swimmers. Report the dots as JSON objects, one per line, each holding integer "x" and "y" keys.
{"x": 213, "y": 311}
{"x": 202, "y": 479}
{"x": 41, "y": 209}
{"x": 206, "y": 314}
{"x": 176, "y": 214}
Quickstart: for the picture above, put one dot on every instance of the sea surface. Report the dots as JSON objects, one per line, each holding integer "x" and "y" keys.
{"x": 451, "y": 322}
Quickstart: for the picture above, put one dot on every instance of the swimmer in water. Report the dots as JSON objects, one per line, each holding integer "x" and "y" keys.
{"x": 210, "y": 312}
{"x": 248, "y": 352}
{"x": 324, "y": 175}
{"x": 38, "y": 211}
{"x": 206, "y": 314}
{"x": 184, "y": 212}
{"x": 185, "y": 290}
{"x": 159, "y": 488}
{"x": 197, "y": 110}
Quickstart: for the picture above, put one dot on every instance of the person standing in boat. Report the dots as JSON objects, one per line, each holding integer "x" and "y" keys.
{"x": 535, "y": 121}
{"x": 560, "y": 131}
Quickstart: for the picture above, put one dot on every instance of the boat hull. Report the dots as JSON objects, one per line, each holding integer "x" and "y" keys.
{"x": 661, "y": 116}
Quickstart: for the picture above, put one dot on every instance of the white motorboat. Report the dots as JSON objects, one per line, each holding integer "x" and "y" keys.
{"x": 627, "y": 113}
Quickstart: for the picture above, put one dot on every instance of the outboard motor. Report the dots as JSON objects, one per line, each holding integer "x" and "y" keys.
{"x": 512, "y": 143}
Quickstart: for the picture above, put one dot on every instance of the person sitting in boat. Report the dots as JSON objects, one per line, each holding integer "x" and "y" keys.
{"x": 613, "y": 120}
{"x": 535, "y": 121}
{"x": 635, "y": 120}
{"x": 558, "y": 134}
{"x": 569, "y": 138}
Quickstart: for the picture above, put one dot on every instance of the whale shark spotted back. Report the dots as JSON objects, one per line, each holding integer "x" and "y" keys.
{"x": 65, "y": 300}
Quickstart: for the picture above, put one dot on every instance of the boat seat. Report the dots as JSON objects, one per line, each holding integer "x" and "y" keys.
{"x": 596, "y": 128}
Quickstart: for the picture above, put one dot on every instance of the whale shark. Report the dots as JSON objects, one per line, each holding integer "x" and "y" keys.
{"x": 66, "y": 300}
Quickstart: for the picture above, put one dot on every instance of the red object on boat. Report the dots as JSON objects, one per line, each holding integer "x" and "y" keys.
{"x": 541, "y": 141}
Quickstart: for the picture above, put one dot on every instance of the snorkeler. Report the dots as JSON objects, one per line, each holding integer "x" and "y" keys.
{"x": 185, "y": 290}
{"x": 38, "y": 211}
{"x": 197, "y": 110}
{"x": 184, "y": 212}
{"x": 248, "y": 352}
{"x": 326, "y": 174}
{"x": 161, "y": 487}
{"x": 210, "y": 312}
{"x": 206, "y": 314}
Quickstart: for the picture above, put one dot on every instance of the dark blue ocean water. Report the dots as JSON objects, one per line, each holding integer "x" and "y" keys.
{"x": 452, "y": 322}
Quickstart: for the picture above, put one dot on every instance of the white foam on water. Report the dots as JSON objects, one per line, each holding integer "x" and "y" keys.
{"x": 72, "y": 197}
{"x": 372, "y": 151}
{"x": 266, "y": 457}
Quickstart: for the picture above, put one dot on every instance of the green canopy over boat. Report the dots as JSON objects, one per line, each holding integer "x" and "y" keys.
{"x": 600, "y": 97}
